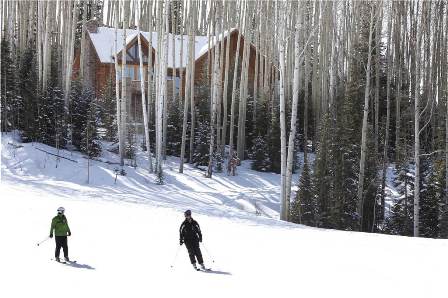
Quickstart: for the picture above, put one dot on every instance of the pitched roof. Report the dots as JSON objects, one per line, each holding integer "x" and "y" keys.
{"x": 104, "y": 43}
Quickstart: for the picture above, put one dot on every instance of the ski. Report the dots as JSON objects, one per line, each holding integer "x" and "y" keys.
{"x": 64, "y": 261}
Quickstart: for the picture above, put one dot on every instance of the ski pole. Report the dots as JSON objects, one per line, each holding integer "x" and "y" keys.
{"x": 175, "y": 257}
{"x": 206, "y": 250}
{"x": 39, "y": 243}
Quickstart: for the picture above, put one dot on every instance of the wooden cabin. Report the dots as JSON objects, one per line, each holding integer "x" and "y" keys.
{"x": 100, "y": 53}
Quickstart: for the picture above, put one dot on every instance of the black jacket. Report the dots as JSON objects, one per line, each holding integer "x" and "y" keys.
{"x": 190, "y": 231}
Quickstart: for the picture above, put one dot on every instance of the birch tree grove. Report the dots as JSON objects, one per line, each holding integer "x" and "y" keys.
{"x": 345, "y": 101}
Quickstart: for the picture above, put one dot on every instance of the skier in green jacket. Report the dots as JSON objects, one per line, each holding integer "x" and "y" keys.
{"x": 61, "y": 229}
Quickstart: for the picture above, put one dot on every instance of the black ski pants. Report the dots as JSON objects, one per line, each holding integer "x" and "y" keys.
{"x": 61, "y": 242}
{"x": 194, "y": 251}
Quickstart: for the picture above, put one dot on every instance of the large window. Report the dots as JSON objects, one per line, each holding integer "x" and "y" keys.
{"x": 176, "y": 81}
{"x": 133, "y": 72}
{"x": 133, "y": 54}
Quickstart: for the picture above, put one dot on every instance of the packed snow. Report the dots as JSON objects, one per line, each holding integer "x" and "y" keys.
{"x": 125, "y": 236}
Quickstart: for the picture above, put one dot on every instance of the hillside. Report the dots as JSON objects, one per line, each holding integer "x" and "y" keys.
{"x": 125, "y": 237}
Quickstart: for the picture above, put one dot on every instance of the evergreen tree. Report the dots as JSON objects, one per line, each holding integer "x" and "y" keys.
{"x": 78, "y": 111}
{"x": 131, "y": 145}
{"x": 274, "y": 142}
{"x": 202, "y": 141}
{"x": 399, "y": 221}
{"x": 52, "y": 125}
{"x": 303, "y": 208}
{"x": 108, "y": 112}
{"x": 321, "y": 176}
{"x": 90, "y": 143}
{"x": 431, "y": 199}
{"x": 84, "y": 120}
{"x": 344, "y": 162}
{"x": 174, "y": 135}
{"x": 372, "y": 185}
{"x": 29, "y": 93}
{"x": 11, "y": 100}
{"x": 260, "y": 155}
{"x": 219, "y": 161}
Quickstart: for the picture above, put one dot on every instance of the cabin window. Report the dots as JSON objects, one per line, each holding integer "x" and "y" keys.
{"x": 133, "y": 54}
{"x": 176, "y": 81}
{"x": 129, "y": 72}
{"x": 133, "y": 72}
{"x": 137, "y": 72}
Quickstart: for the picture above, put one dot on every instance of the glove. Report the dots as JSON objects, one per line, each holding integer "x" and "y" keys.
{"x": 69, "y": 233}
{"x": 181, "y": 241}
{"x": 51, "y": 235}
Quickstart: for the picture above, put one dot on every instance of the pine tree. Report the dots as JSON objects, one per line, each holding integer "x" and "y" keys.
{"x": 219, "y": 161}
{"x": 52, "y": 125}
{"x": 28, "y": 90}
{"x": 11, "y": 101}
{"x": 201, "y": 147}
{"x": 321, "y": 176}
{"x": 431, "y": 200}
{"x": 90, "y": 143}
{"x": 260, "y": 155}
{"x": 131, "y": 145}
{"x": 274, "y": 142}
{"x": 174, "y": 135}
{"x": 85, "y": 120}
{"x": 344, "y": 150}
{"x": 303, "y": 208}
{"x": 108, "y": 113}
{"x": 78, "y": 112}
{"x": 399, "y": 221}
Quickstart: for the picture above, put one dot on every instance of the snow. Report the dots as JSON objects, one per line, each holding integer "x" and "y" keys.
{"x": 392, "y": 195}
{"x": 104, "y": 43}
{"x": 125, "y": 237}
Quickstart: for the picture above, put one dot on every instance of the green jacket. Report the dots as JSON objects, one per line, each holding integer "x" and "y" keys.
{"x": 59, "y": 225}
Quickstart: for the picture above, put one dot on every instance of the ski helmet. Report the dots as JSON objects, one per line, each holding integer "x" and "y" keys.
{"x": 61, "y": 210}
{"x": 187, "y": 213}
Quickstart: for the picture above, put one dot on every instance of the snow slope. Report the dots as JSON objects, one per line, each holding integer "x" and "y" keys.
{"x": 125, "y": 237}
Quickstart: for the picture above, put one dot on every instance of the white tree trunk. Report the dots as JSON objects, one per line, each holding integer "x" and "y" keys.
{"x": 83, "y": 42}
{"x": 282, "y": 55}
{"x": 295, "y": 102}
{"x": 389, "y": 68}
{"x": 70, "y": 55}
{"x": 117, "y": 88}
{"x": 417, "y": 132}
{"x": 215, "y": 94}
{"x": 362, "y": 162}
{"x": 142, "y": 88}
{"x": 188, "y": 77}
{"x": 224, "y": 98}
{"x": 235, "y": 75}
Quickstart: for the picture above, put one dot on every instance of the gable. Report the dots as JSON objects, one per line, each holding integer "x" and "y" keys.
{"x": 103, "y": 41}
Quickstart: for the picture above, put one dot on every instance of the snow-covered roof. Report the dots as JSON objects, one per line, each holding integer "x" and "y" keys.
{"x": 104, "y": 43}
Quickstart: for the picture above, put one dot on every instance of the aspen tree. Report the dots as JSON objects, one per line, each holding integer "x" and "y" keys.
{"x": 142, "y": 89}
{"x": 362, "y": 163}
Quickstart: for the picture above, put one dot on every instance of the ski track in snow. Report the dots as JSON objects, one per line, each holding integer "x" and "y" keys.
{"x": 125, "y": 237}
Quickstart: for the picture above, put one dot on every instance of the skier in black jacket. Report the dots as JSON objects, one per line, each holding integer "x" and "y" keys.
{"x": 190, "y": 234}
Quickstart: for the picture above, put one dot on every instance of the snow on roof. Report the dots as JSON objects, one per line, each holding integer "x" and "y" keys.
{"x": 104, "y": 43}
